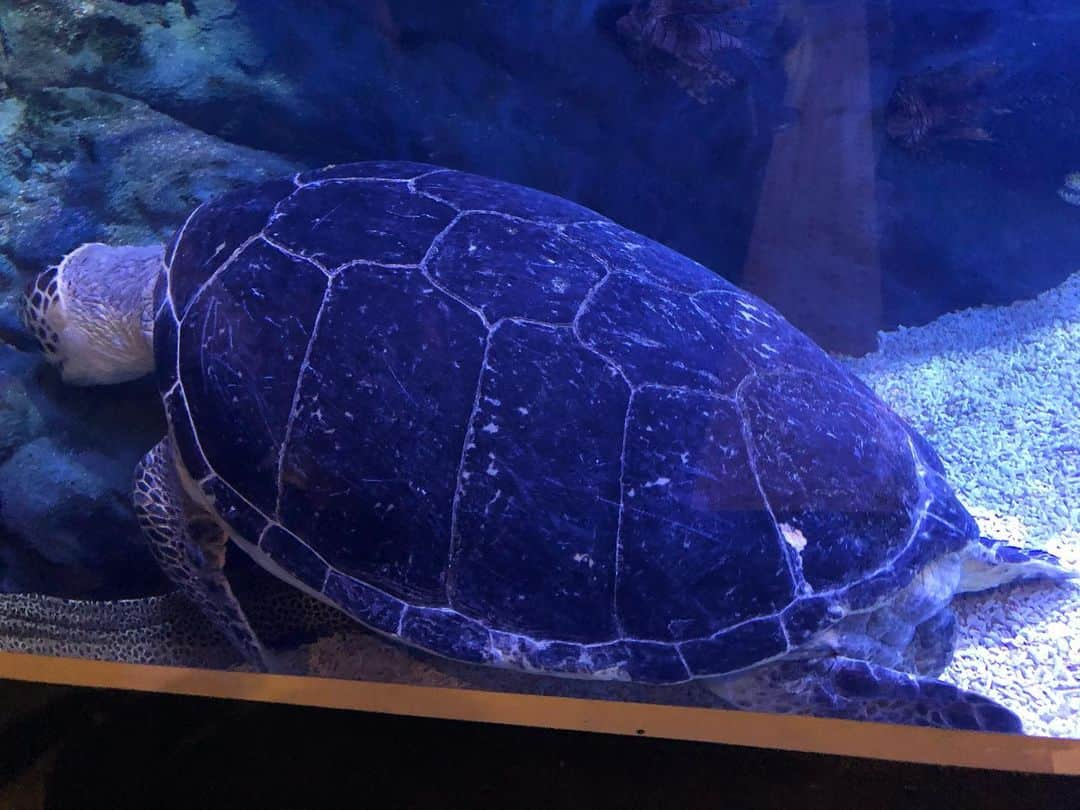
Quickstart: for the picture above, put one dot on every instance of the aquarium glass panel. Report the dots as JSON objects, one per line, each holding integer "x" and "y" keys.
{"x": 711, "y": 353}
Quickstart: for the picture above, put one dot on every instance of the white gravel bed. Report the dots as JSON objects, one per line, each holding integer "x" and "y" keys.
{"x": 997, "y": 392}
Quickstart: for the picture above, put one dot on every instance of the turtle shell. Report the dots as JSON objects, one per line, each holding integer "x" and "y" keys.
{"x": 506, "y": 430}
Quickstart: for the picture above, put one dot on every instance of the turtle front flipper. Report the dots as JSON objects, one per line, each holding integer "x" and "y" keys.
{"x": 858, "y": 690}
{"x": 190, "y": 548}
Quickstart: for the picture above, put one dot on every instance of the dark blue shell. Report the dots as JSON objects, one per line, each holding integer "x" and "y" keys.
{"x": 504, "y": 429}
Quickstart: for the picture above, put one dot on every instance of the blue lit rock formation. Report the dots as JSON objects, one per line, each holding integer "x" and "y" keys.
{"x": 10, "y": 287}
{"x": 84, "y": 165}
{"x": 71, "y": 508}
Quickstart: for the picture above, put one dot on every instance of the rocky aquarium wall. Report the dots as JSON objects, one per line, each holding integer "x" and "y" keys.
{"x": 900, "y": 180}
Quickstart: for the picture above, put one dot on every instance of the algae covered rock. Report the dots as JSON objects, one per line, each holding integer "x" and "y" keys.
{"x": 11, "y": 329}
{"x": 81, "y": 165}
{"x": 20, "y": 420}
{"x": 199, "y": 59}
{"x": 71, "y": 510}
{"x": 66, "y": 522}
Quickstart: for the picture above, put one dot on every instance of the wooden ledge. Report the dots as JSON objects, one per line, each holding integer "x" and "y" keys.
{"x": 842, "y": 737}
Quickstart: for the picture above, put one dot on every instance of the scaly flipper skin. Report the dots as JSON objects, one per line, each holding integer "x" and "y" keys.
{"x": 857, "y": 690}
{"x": 931, "y": 648}
{"x": 993, "y": 563}
{"x": 190, "y": 548}
{"x": 455, "y": 376}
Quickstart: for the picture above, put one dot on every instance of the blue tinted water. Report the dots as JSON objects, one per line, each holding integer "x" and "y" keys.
{"x": 862, "y": 166}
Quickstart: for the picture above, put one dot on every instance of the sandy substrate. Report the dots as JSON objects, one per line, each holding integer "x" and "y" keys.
{"x": 997, "y": 392}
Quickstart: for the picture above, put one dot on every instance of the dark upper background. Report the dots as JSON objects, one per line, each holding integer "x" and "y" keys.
{"x": 116, "y": 118}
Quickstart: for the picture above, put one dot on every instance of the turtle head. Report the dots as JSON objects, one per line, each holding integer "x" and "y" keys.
{"x": 93, "y": 313}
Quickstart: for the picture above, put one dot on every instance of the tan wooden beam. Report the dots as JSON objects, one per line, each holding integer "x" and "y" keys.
{"x": 843, "y": 737}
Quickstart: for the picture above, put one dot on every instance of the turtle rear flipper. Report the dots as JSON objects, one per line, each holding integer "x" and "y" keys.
{"x": 993, "y": 563}
{"x": 191, "y": 550}
{"x": 858, "y": 690}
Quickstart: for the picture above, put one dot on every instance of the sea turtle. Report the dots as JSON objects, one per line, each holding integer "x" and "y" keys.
{"x": 497, "y": 426}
